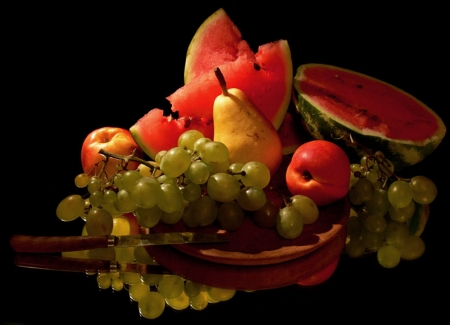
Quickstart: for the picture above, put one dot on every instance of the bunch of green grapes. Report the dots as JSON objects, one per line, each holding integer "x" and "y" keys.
{"x": 153, "y": 293}
{"x": 193, "y": 182}
{"x": 389, "y": 213}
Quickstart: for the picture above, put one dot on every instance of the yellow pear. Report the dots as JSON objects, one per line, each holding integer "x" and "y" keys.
{"x": 244, "y": 129}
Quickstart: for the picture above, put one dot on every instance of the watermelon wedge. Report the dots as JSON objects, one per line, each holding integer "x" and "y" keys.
{"x": 216, "y": 42}
{"x": 334, "y": 102}
{"x": 265, "y": 77}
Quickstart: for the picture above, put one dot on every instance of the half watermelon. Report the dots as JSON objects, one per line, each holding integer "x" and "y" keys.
{"x": 334, "y": 102}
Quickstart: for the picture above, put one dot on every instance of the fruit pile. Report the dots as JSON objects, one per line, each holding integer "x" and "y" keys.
{"x": 216, "y": 158}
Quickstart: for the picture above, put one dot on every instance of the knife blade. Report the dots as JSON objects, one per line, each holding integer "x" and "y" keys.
{"x": 83, "y": 265}
{"x": 54, "y": 244}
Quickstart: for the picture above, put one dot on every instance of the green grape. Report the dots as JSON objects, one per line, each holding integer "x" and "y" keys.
{"x": 355, "y": 168}
{"x": 99, "y": 222}
{"x": 355, "y": 247}
{"x": 130, "y": 277}
{"x": 204, "y": 211}
{"x": 129, "y": 178}
{"x": 103, "y": 281}
{"x": 378, "y": 203}
{"x": 70, "y": 207}
{"x": 117, "y": 181}
{"x": 251, "y": 198}
{"x": 178, "y": 303}
{"x": 230, "y": 216}
{"x": 151, "y": 305}
{"x": 199, "y": 302}
{"x": 256, "y": 174}
{"x": 164, "y": 179}
{"x": 373, "y": 175}
{"x": 375, "y": 223}
{"x": 191, "y": 289}
{"x": 96, "y": 198}
{"x": 124, "y": 203}
{"x": 402, "y": 214}
{"x": 117, "y": 284}
{"x": 218, "y": 167}
{"x": 124, "y": 254}
{"x": 354, "y": 227}
{"x": 187, "y": 139}
{"x": 223, "y": 187}
{"x": 367, "y": 161}
{"x": 424, "y": 190}
{"x": 400, "y": 193}
{"x": 142, "y": 256}
{"x": 95, "y": 184}
{"x": 121, "y": 226}
{"x": 170, "y": 198}
{"x": 363, "y": 189}
{"x": 192, "y": 192}
{"x": 235, "y": 169}
{"x": 175, "y": 162}
{"x": 159, "y": 156}
{"x": 109, "y": 196}
{"x": 266, "y": 216}
{"x": 82, "y": 180}
{"x": 221, "y": 294}
{"x": 198, "y": 172}
{"x": 171, "y": 286}
{"x": 148, "y": 218}
{"x": 388, "y": 256}
{"x": 289, "y": 223}
{"x": 138, "y": 290}
{"x": 198, "y": 144}
{"x": 214, "y": 152}
{"x": 145, "y": 192}
{"x": 151, "y": 279}
{"x": 307, "y": 207}
{"x": 396, "y": 233}
{"x": 172, "y": 217}
{"x": 373, "y": 241}
{"x": 110, "y": 207}
{"x": 413, "y": 248}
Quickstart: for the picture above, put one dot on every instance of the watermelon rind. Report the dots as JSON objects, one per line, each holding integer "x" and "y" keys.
{"x": 321, "y": 124}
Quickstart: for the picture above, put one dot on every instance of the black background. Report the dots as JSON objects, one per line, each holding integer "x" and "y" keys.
{"x": 75, "y": 69}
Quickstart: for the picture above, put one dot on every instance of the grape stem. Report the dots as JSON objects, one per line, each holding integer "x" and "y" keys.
{"x": 126, "y": 159}
{"x": 379, "y": 158}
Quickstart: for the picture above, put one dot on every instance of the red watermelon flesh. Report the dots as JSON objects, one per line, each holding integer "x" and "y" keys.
{"x": 155, "y": 132}
{"x": 216, "y": 42}
{"x": 369, "y": 112}
{"x": 267, "y": 82}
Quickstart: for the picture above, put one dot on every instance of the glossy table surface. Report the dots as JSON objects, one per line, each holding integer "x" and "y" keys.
{"x": 79, "y": 69}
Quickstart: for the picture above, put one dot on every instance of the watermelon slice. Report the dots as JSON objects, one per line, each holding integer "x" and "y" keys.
{"x": 216, "y": 42}
{"x": 334, "y": 102}
{"x": 265, "y": 77}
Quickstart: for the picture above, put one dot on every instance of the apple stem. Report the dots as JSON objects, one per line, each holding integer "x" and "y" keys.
{"x": 222, "y": 82}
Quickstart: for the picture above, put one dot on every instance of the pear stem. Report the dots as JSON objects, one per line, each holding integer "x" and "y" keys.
{"x": 222, "y": 82}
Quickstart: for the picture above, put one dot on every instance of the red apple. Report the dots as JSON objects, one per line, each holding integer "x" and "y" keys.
{"x": 112, "y": 139}
{"x": 320, "y": 170}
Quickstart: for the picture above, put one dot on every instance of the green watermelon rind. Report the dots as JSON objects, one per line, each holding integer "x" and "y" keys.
{"x": 319, "y": 125}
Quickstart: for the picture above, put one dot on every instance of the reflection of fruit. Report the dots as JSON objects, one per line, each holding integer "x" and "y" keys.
{"x": 114, "y": 140}
{"x": 320, "y": 170}
{"x": 266, "y": 79}
{"x": 320, "y": 276}
{"x": 240, "y": 125}
{"x": 334, "y": 101}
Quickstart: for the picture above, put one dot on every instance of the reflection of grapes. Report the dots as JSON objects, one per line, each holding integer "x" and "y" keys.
{"x": 390, "y": 212}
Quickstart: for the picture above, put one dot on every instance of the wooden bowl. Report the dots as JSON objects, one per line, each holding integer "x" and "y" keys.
{"x": 250, "y": 277}
{"x": 253, "y": 245}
